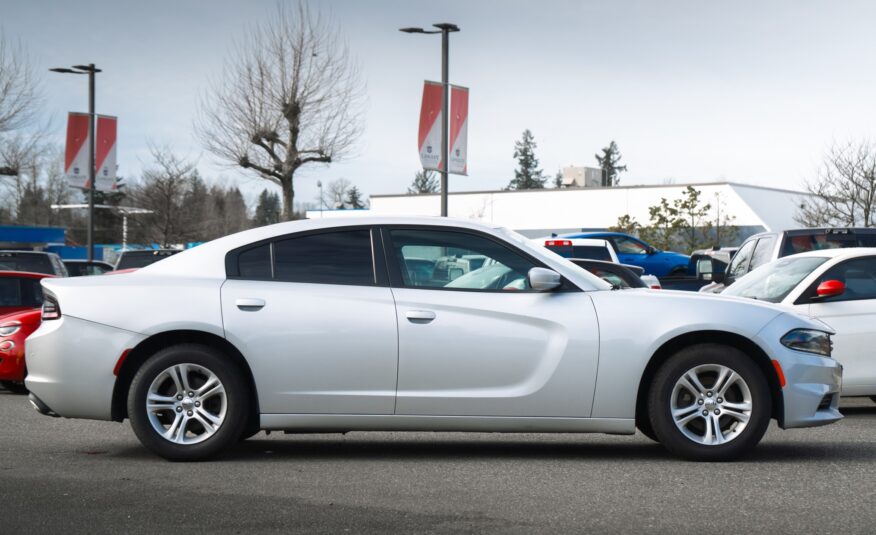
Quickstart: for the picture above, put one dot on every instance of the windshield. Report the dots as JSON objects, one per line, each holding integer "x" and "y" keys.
{"x": 774, "y": 281}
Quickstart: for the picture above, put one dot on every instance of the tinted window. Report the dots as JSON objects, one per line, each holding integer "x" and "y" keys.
{"x": 615, "y": 275}
{"x": 328, "y": 258}
{"x": 442, "y": 259}
{"x": 32, "y": 262}
{"x": 739, "y": 265}
{"x": 762, "y": 252}
{"x": 800, "y": 243}
{"x": 859, "y": 276}
{"x": 20, "y": 292}
{"x": 255, "y": 263}
{"x": 591, "y": 251}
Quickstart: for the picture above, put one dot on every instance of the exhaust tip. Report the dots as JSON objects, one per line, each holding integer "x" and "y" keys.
{"x": 40, "y": 407}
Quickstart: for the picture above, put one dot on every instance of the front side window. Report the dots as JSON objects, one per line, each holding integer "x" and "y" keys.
{"x": 859, "y": 276}
{"x": 629, "y": 246}
{"x": 326, "y": 258}
{"x": 739, "y": 265}
{"x": 762, "y": 252}
{"x": 457, "y": 260}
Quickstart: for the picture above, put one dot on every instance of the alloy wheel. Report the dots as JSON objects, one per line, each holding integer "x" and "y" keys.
{"x": 186, "y": 403}
{"x": 711, "y": 404}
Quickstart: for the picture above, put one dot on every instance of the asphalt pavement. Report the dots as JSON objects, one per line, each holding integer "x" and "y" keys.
{"x": 71, "y": 476}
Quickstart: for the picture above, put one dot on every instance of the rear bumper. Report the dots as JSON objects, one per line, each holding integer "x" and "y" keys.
{"x": 70, "y": 366}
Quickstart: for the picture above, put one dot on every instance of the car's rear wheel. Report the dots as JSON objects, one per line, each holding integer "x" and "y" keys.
{"x": 709, "y": 402}
{"x": 14, "y": 386}
{"x": 188, "y": 403}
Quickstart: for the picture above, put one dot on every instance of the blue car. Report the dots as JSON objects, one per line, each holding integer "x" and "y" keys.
{"x": 634, "y": 251}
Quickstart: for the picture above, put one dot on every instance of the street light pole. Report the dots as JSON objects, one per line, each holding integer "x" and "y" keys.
{"x": 444, "y": 28}
{"x": 90, "y": 70}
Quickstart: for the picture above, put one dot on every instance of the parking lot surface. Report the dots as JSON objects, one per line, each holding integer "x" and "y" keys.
{"x": 82, "y": 476}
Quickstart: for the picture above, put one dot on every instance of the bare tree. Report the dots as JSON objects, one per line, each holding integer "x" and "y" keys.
{"x": 20, "y": 97}
{"x": 290, "y": 95}
{"x": 844, "y": 192}
{"x": 335, "y": 193}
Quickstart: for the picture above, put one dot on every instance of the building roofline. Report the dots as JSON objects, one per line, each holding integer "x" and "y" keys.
{"x": 638, "y": 186}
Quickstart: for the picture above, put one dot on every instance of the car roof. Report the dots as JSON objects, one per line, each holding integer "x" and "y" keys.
{"x": 844, "y": 252}
{"x": 25, "y": 274}
{"x": 16, "y": 251}
{"x": 598, "y": 233}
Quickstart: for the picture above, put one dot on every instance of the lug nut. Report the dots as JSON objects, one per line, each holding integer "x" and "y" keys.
{"x": 699, "y": 402}
{"x": 189, "y": 413}
{"x": 197, "y": 404}
{"x": 191, "y": 394}
{"x": 709, "y": 394}
{"x": 720, "y": 400}
{"x": 717, "y": 411}
{"x": 179, "y": 397}
{"x": 705, "y": 413}
{"x": 179, "y": 409}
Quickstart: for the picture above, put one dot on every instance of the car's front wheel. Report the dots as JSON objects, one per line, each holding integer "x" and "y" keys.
{"x": 710, "y": 402}
{"x": 188, "y": 403}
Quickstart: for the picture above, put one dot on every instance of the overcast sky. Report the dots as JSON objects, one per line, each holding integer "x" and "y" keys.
{"x": 692, "y": 91}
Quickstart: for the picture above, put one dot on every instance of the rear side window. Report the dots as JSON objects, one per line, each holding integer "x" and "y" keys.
{"x": 328, "y": 258}
{"x": 591, "y": 252}
{"x": 20, "y": 292}
{"x": 255, "y": 263}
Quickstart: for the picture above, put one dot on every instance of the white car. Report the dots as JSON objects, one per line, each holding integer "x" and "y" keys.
{"x": 837, "y": 286}
{"x": 321, "y": 326}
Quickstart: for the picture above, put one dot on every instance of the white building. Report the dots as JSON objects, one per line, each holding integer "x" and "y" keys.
{"x": 539, "y": 212}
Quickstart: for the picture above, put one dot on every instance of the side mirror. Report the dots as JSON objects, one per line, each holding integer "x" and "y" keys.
{"x": 719, "y": 276}
{"x": 831, "y": 288}
{"x": 543, "y": 280}
{"x": 652, "y": 250}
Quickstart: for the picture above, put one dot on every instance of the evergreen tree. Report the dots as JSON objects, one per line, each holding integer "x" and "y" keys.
{"x": 425, "y": 181}
{"x": 609, "y": 162}
{"x": 527, "y": 175}
{"x": 558, "y": 180}
{"x": 354, "y": 199}
{"x": 268, "y": 209}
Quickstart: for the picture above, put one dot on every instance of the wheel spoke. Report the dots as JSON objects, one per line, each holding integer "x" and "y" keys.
{"x": 716, "y": 426}
{"x": 692, "y": 377}
{"x": 678, "y": 413}
{"x": 741, "y": 416}
{"x": 217, "y": 389}
{"x": 707, "y": 436}
{"x": 211, "y": 381}
{"x": 176, "y": 429}
{"x": 732, "y": 379}
{"x": 181, "y": 371}
{"x": 685, "y": 383}
{"x": 744, "y": 406}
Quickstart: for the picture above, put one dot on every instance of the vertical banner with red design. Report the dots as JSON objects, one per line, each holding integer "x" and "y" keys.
{"x": 430, "y": 126}
{"x": 458, "y": 130}
{"x": 105, "y": 153}
{"x": 76, "y": 151}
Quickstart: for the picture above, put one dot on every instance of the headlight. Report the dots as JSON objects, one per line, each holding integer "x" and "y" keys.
{"x": 10, "y": 328}
{"x": 808, "y": 340}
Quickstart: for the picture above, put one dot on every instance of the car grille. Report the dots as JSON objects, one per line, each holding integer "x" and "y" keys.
{"x": 825, "y": 402}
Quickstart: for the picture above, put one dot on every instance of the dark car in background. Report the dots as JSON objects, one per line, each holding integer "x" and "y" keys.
{"x": 632, "y": 250}
{"x": 765, "y": 247}
{"x": 81, "y": 268}
{"x": 142, "y": 258}
{"x": 32, "y": 262}
{"x": 620, "y": 276}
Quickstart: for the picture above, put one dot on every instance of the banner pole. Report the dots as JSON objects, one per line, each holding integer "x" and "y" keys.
{"x": 91, "y": 174}
{"x": 445, "y": 118}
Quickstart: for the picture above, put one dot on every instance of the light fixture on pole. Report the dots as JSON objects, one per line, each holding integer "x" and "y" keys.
{"x": 90, "y": 70}
{"x": 444, "y": 28}
{"x": 124, "y": 210}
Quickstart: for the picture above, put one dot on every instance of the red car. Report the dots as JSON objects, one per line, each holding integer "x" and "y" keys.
{"x": 14, "y": 329}
{"x": 21, "y": 297}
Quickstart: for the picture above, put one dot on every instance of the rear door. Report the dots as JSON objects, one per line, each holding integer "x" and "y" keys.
{"x": 483, "y": 343}
{"x": 316, "y": 321}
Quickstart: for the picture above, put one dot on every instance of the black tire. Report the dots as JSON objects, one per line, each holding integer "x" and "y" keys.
{"x": 873, "y": 398}
{"x": 14, "y": 387}
{"x": 237, "y": 411}
{"x": 643, "y": 424}
{"x": 660, "y": 398}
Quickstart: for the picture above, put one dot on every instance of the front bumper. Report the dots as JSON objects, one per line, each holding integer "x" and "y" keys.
{"x": 70, "y": 366}
{"x": 811, "y": 395}
{"x": 11, "y": 361}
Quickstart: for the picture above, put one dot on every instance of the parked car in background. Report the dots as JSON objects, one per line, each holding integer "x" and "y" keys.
{"x": 619, "y": 276}
{"x": 632, "y": 250}
{"x": 80, "y": 268}
{"x": 583, "y": 248}
{"x": 32, "y": 262}
{"x": 14, "y": 329}
{"x": 20, "y": 291}
{"x": 142, "y": 258}
{"x": 703, "y": 265}
{"x": 837, "y": 286}
{"x": 319, "y": 326}
{"x": 765, "y": 247}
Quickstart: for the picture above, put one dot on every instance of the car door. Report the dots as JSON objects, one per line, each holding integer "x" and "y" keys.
{"x": 853, "y": 315}
{"x": 482, "y": 343}
{"x": 316, "y": 322}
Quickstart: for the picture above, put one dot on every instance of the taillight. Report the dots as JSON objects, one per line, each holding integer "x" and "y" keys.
{"x": 656, "y": 287}
{"x": 557, "y": 243}
{"x": 51, "y": 310}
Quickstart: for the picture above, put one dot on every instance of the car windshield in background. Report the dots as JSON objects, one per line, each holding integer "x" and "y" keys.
{"x": 774, "y": 281}
{"x": 818, "y": 242}
{"x": 34, "y": 263}
{"x": 139, "y": 259}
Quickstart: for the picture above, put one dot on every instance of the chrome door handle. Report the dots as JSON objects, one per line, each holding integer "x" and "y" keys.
{"x": 249, "y": 303}
{"x": 420, "y": 316}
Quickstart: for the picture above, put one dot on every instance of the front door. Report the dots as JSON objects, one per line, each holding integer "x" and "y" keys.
{"x": 475, "y": 340}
